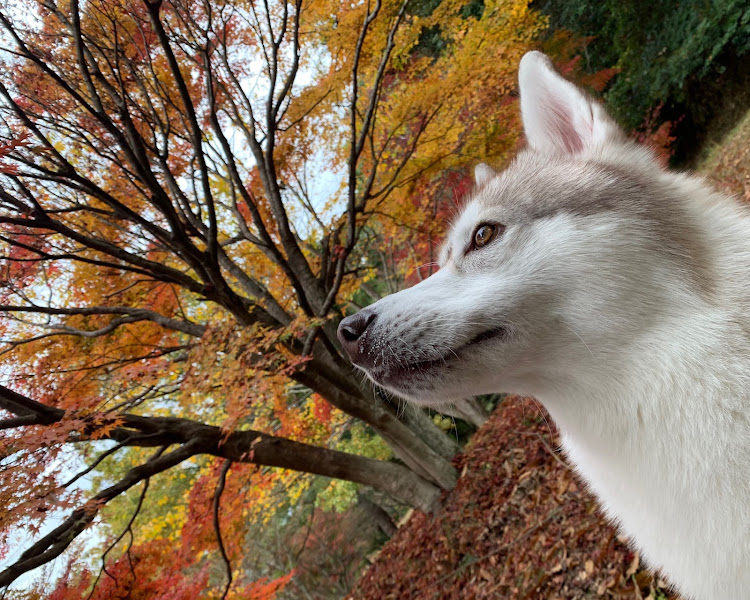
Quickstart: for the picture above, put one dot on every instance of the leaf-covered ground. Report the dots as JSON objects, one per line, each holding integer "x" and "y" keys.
{"x": 519, "y": 524}
{"x": 728, "y": 164}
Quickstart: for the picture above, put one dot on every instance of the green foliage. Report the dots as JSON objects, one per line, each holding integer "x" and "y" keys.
{"x": 663, "y": 49}
{"x": 422, "y": 8}
{"x": 474, "y": 9}
{"x": 164, "y": 513}
{"x": 338, "y": 496}
{"x": 433, "y": 41}
{"x": 359, "y": 439}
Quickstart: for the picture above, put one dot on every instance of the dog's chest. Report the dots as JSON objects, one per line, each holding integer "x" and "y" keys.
{"x": 683, "y": 498}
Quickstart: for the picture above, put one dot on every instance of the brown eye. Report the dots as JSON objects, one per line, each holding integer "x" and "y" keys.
{"x": 484, "y": 234}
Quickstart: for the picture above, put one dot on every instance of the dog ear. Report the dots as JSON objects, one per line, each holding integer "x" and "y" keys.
{"x": 483, "y": 173}
{"x": 558, "y": 117}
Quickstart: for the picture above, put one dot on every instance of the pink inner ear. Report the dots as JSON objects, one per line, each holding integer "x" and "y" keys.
{"x": 558, "y": 121}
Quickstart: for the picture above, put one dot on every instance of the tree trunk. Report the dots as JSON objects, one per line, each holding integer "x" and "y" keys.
{"x": 399, "y": 482}
{"x": 469, "y": 410}
{"x": 420, "y": 423}
{"x": 329, "y": 364}
{"x": 406, "y": 444}
{"x": 378, "y": 514}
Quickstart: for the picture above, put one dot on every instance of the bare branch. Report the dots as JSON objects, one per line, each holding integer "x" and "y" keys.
{"x": 133, "y": 315}
{"x": 196, "y": 136}
{"x": 21, "y": 421}
{"x": 217, "y": 526}
{"x": 249, "y": 446}
{"x": 128, "y": 529}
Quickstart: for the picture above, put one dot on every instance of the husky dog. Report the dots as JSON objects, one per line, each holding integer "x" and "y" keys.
{"x": 618, "y": 294}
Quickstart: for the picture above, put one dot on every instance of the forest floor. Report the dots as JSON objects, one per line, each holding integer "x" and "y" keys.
{"x": 519, "y": 524}
{"x": 728, "y": 164}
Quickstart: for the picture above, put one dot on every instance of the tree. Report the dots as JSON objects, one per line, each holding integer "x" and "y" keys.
{"x": 171, "y": 279}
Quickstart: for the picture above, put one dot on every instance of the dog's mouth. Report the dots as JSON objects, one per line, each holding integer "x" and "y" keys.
{"x": 400, "y": 372}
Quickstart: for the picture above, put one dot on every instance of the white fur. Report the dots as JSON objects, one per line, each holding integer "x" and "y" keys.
{"x": 625, "y": 310}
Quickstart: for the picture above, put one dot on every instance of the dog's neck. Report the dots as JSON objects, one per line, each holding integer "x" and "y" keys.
{"x": 687, "y": 369}
{"x": 662, "y": 434}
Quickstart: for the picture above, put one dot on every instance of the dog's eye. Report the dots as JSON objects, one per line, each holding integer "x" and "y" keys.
{"x": 484, "y": 234}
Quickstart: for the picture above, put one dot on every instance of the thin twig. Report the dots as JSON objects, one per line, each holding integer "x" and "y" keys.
{"x": 217, "y": 526}
{"x": 128, "y": 529}
{"x": 552, "y": 452}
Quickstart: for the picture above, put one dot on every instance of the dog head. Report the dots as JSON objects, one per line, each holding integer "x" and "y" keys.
{"x": 554, "y": 268}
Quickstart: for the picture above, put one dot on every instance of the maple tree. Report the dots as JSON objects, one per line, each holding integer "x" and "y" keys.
{"x": 176, "y": 260}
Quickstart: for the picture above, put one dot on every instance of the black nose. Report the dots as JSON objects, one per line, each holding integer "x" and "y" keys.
{"x": 351, "y": 330}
